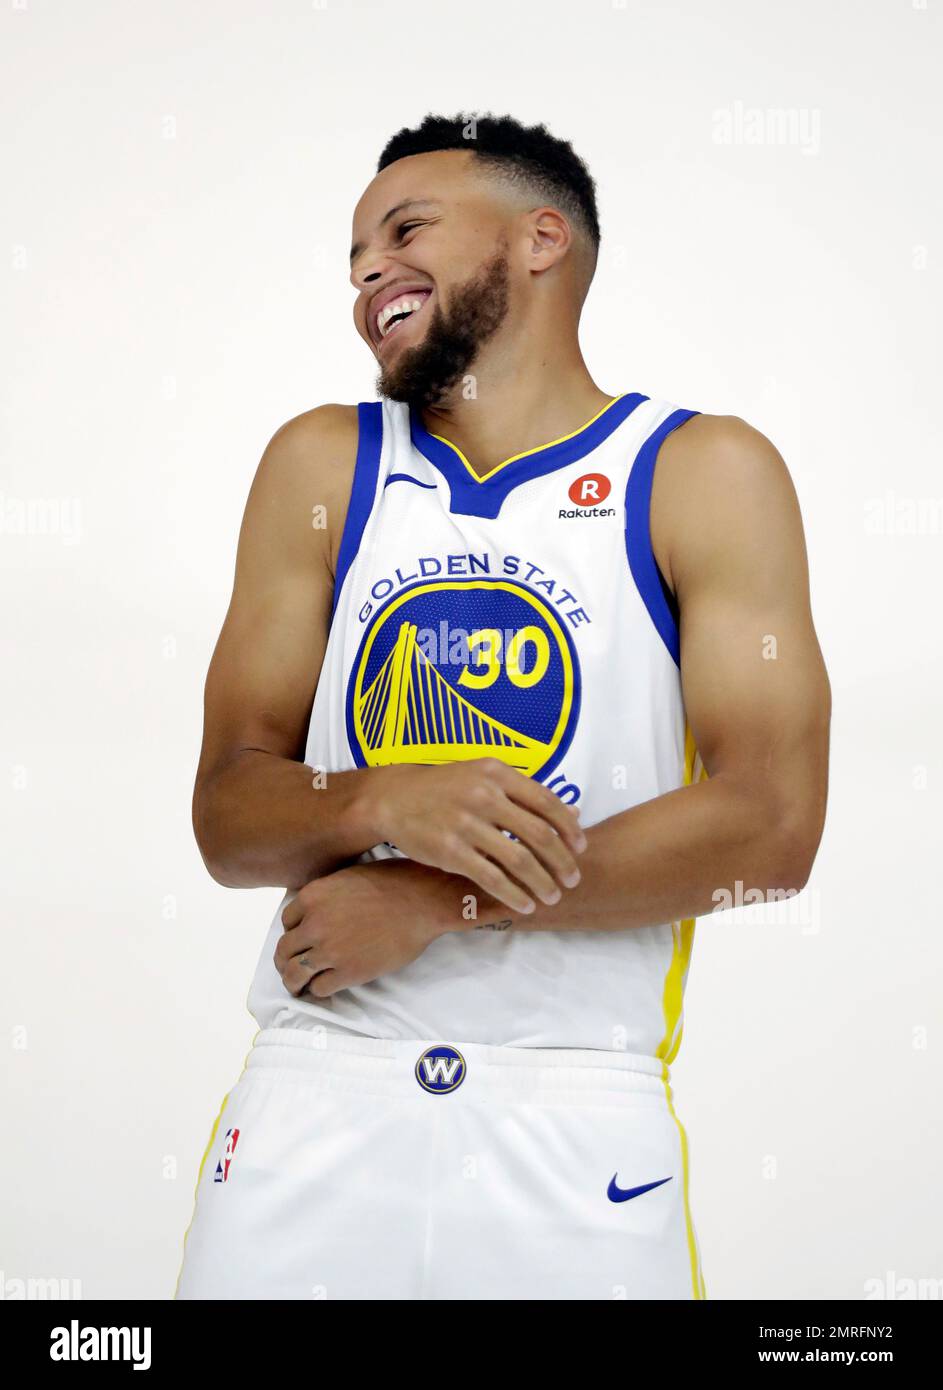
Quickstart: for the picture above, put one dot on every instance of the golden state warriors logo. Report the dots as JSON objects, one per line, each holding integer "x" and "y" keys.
{"x": 455, "y": 669}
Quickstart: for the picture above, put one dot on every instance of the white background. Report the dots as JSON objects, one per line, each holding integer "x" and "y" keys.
{"x": 180, "y": 180}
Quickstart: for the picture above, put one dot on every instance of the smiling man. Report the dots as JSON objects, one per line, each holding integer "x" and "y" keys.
{"x": 543, "y": 685}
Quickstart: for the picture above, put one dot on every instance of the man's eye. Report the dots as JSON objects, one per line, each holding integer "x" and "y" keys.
{"x": 405, "y": 227}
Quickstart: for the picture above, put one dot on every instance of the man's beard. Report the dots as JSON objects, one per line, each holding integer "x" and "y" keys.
{"x": 424, "y": 375}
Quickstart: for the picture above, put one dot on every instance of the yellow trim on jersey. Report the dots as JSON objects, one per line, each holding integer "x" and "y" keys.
{"x": 682, "y": 941}
{"x": 682, "y": 935}
{"x": 206, "y": 1154}
{"x": 483, "y": 477}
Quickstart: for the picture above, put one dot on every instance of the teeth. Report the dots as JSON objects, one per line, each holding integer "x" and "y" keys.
{"x": 396, "y": 306}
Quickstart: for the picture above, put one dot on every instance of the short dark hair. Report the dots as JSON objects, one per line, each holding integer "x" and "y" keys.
{"x": 528, "y": 156}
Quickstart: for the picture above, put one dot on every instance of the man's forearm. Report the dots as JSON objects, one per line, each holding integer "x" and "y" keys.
{"x": 661, "y": 861}
{"x": 266, "y": 821}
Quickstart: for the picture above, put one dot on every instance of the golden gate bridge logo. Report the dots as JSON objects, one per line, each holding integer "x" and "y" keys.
{"x": 403, "y": 709}
{"x": 410, "y": 714}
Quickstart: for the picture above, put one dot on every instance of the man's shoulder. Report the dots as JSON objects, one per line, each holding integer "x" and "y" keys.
{"x": 715, "y": 473}
{"x": 322, "y": 424}
{"x": 718, "y": 437}
{"x": 711, "y": 452}
{"x": 306, "y": 469}
{"x": 318, "y": 446}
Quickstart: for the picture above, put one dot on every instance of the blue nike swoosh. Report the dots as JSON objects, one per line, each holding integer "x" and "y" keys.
{"x": 407, "y": 478}
{"x": 625, "y": 1194}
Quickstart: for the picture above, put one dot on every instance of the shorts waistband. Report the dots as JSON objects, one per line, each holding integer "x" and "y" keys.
{"x": 343, "y": 1061}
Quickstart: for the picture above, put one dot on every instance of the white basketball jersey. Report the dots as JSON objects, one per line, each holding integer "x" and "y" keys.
{"x": 521, "y": 616}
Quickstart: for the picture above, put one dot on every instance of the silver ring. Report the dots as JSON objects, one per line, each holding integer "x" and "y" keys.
{"x": 302, "y": 960}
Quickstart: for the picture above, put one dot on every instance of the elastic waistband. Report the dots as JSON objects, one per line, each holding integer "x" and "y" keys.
{"x": 439, "y": 1066}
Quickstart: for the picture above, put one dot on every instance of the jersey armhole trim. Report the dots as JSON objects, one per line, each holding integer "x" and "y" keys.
{"x": 363, "y": 490}
{"x": 654, "y": 592}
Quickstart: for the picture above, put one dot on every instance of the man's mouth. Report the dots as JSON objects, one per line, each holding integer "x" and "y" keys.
{"x": 397, "y": 312}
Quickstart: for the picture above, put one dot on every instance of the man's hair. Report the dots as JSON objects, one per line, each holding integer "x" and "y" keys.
{"x": 528, "y": 157}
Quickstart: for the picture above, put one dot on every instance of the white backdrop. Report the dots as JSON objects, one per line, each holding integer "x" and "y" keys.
{"x": 180, "y": 184}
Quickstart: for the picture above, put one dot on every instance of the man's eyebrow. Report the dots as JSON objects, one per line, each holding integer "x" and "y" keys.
{"x": 357, "y": 247}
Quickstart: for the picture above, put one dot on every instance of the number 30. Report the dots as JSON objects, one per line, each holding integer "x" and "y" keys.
{"x": 487, "y": 643}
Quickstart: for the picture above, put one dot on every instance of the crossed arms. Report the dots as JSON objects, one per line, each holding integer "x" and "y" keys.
{"x": 728, "y": 537}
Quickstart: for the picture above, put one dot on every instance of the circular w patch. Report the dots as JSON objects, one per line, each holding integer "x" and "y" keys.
{"x": 440, "y": 1069}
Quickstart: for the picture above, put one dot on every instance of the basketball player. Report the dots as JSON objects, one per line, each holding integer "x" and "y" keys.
{"x": 517, "y": 675}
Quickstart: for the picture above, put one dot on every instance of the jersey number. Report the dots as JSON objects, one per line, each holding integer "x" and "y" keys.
{"x": 488, "y": 646}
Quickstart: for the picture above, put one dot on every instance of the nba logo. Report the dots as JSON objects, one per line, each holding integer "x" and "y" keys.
{"x": 440, "y": 1069}
{"x": 222, "y": 1168}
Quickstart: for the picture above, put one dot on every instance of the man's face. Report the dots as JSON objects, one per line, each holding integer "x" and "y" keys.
{"x": 427, "y": 234}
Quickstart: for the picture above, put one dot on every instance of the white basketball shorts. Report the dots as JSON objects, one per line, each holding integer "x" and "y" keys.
{"x": 354, "y": 1168}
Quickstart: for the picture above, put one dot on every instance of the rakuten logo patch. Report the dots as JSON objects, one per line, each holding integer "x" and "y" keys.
{"x": 587, "y": 493}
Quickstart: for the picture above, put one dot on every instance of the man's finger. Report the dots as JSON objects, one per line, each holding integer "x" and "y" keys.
{"x": 549, "y": 848}
{"x": 301, "y": 970}
{"x": 518, "y": 861}
{"x": 492, "y": 878}
{"x": 323, "y": 985}
{"x": 293, "y": 913}
{"x": 541, "y": 802}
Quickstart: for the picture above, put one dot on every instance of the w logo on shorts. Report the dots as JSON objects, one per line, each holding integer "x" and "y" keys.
{"x": 222, "y": 1167}
{"x": 440, "y": 1069}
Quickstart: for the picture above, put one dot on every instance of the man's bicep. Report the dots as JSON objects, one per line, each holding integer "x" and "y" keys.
{"x": 261, "y": 679}
{"x": 755, "y": 687}
{"x": 265, "y": 667}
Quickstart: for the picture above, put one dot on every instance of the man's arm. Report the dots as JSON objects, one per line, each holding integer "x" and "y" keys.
{"x": 253, "y": 801}
{"x": 727, "y": 533}
{"x": 258, "y": 815}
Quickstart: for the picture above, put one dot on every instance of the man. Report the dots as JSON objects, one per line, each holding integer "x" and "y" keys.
{"x": 496, "y": 822}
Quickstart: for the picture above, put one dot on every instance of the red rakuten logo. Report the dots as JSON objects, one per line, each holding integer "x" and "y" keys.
{"x": 590, "y": 489}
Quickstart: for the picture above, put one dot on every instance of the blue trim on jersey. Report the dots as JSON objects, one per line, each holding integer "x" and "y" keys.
{"x": 363, "y": 489}
{"x": 638, "y": 537}
{"x": 485, "y": 497}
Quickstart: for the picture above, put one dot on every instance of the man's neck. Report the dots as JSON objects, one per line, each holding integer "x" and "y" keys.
{"x": 511, "y": 414}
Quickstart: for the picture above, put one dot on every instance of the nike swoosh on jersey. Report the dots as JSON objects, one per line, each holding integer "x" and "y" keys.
{"x": 625, "y": 1194}
{"x": 407, "y": 478}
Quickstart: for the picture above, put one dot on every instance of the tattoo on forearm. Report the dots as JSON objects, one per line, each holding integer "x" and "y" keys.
{"x": 493, "y": 926}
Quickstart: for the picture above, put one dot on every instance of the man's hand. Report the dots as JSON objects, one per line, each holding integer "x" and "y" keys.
{"x": 453, "y": 818}
{"x": 362, "y": 922}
